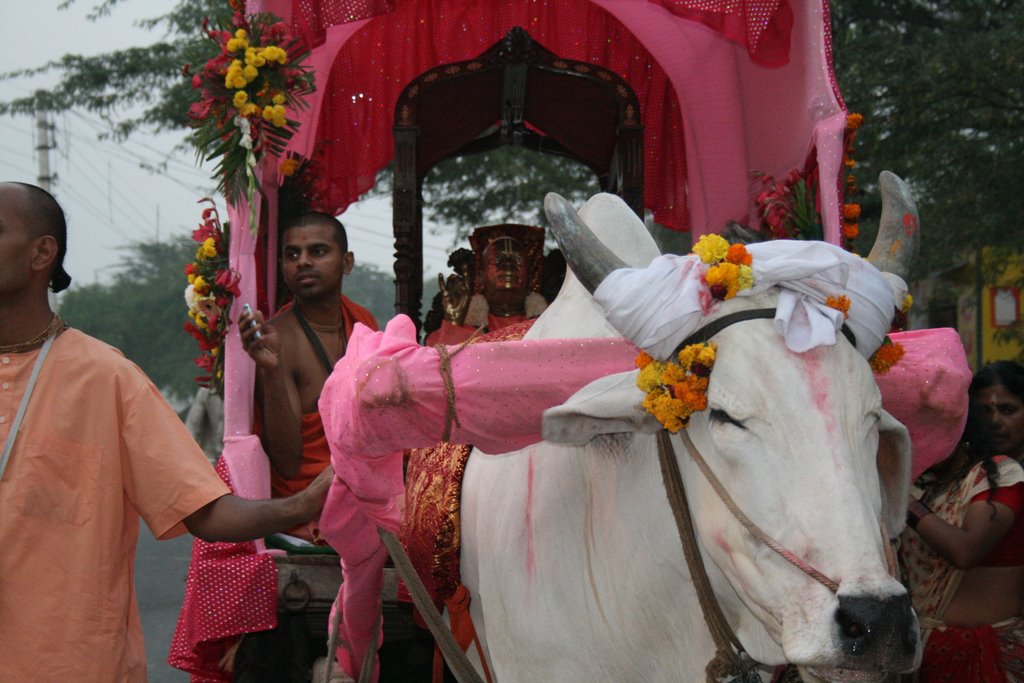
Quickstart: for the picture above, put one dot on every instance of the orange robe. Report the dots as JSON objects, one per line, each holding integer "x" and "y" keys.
{"x": 316, "y": 454}
{"x": 99, "y": 449}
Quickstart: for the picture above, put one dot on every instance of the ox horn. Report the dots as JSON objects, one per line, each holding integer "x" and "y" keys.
{"x": 589, "y": 259}
{"x": 899, "y": 234}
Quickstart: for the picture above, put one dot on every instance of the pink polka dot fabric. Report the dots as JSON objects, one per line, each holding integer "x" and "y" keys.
{"x": 231, "y": 589}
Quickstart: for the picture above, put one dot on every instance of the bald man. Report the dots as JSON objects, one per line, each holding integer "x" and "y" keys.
{"x": 90, "y": 446}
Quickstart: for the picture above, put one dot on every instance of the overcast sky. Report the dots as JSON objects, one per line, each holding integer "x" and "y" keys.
{"x": 109, "y": 199}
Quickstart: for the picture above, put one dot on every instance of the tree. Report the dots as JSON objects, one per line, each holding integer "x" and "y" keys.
{"x": 505, "y": 185}
{"x": 373, "y": 289}
{"x": 141, "y": 311}
{"x": 941, "y": 85}
{"x": 114, "y": 84}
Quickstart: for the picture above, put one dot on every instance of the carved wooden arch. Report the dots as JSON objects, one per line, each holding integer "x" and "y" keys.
{"x": 508, "y": 95}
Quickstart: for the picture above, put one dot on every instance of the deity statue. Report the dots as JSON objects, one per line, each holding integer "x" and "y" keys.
{"x": 499, "y": 287}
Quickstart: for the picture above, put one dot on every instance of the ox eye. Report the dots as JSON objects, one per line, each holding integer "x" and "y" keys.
{"x": 719, "y": 415}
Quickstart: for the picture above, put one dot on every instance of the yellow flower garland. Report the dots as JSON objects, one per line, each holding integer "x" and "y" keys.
{"x": 676, "y": 390}
{"x": 729, "y": 270}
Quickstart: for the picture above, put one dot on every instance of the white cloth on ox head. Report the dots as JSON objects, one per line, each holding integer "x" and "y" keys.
{"x": 659, "y": 306}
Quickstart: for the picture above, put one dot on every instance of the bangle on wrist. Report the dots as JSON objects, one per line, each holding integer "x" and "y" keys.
{"x": 916, "y": 511}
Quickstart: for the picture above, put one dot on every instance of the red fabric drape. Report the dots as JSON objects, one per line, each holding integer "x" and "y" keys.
{"x": 312, "y": 18}
{"x": 354, "y": 128}
{"x": 763, "y": 26}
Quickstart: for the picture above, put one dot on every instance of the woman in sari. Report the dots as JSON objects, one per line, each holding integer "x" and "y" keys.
{"x": 999, "y": 386}
{"x": 963, "y": 553}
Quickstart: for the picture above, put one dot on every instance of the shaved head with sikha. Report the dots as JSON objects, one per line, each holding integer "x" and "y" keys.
{"x": 33, "y": 213}
{"x": 33, "y": 240}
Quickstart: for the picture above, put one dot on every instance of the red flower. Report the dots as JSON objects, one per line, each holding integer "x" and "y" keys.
{"x": 196, "y": 333}
{"x": 700, "y": 370}
{"x": 228, "y": 280}
{"x": 200, "y": 110}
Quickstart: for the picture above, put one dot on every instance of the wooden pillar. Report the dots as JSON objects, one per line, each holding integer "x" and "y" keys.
{"x": 407, "y": 212}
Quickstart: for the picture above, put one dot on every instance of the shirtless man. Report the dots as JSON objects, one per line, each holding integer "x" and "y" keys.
{"x": 296, "y": 350}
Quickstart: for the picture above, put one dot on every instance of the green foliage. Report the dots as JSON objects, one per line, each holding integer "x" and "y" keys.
{"x": 114, "y": 85}
{"x": 941, "y": 86}
{"x": 506, "y": 185}
{"x": 373, "y": 289}
{"x": 141, "y": 311}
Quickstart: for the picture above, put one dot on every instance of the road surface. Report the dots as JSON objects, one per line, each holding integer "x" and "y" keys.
{"x": 160, "y": 571}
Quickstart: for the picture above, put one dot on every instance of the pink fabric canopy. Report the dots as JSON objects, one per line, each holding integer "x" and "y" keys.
{"x": 726, "y": 88}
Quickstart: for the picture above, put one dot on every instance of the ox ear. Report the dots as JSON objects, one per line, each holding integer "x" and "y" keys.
{"x": 893, "y": 461}
{"x": 609, "y": 405}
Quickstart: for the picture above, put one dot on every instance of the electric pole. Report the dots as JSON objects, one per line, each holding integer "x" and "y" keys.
{"x": 44, "y": 143}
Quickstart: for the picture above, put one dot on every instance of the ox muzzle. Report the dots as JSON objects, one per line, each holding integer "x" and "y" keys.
{"x": 880, "y": 630}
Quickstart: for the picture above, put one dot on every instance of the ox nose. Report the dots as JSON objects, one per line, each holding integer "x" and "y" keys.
{"x": 881, "y": 629}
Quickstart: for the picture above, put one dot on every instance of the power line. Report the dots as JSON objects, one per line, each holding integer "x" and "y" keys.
{"x": 126, "y": 201}
{"x": 167, "y": 156}
{"x": 129, "y": 157}
{"x": 16, "y": 152}
{"x": 98, "y": 213}
{"x": 378, "y": 239}
{"x": 20, "y": 170}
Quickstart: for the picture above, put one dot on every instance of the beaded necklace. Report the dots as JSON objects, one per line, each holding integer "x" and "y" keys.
{"x": 55, "y": 326}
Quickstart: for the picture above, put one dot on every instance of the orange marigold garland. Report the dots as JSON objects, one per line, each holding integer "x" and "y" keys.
{"x": 851, "y": 210}
{"x": 729, "y": 270}
{"x": 886, "y": 356}
{"x": 676, "y": 390}
{"x": 840, "y": 303}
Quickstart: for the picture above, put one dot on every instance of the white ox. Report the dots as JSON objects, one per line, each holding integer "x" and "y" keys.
{"x": 573, "y": 558}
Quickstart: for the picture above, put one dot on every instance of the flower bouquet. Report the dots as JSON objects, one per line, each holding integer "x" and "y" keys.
{"x": 246, "y": 93}
{"x": 212, "y": 287}
{"x": 788, "y": 208}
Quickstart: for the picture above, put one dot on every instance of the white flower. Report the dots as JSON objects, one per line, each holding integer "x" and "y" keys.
{"x": 244, "y": 127}
{"x": 190, "y": 298}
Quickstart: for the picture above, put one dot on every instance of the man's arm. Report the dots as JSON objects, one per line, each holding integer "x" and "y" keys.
{"x": 233, "y": 519}
{"x": 276, "y": 394}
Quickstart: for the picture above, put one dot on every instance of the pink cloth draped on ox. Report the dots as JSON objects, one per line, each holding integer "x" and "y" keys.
{"x": 388, "y": 393}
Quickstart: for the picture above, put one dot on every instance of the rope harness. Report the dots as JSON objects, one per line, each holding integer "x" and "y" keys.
{"x": 731, "y": 661}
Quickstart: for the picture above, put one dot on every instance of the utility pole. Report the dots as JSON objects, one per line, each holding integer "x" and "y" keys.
{"x": 44, "y": 143}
